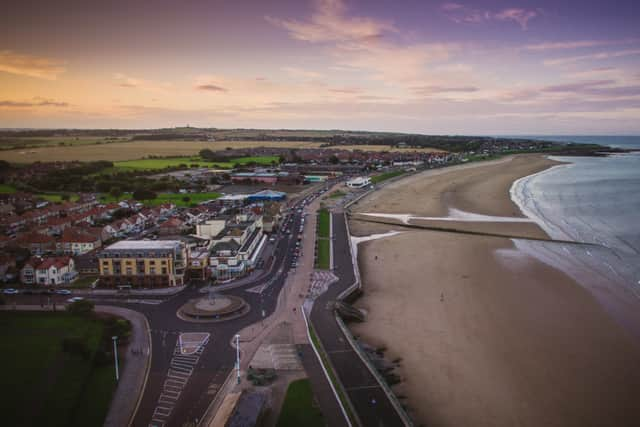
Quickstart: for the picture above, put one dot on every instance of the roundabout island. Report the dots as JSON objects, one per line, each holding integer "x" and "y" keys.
{"x": 213, "y": 308}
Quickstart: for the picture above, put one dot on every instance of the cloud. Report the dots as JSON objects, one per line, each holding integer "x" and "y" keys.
{"x": 36, "y": 102}
{"x": 592, "y": 56}
{"x": 129, "y": 82}
{"x": 346, "y": 90}
{"x": 577, "y": 44}
{"x": 577, "y": 87}
{"x": 31, "y": 66}
{"x": 329, "y": 22}
{"x": 433, "y": 90}
{"x": 460, "y": 13}
{"x": 210, "y": 88}
{"x": 301, "y": 73}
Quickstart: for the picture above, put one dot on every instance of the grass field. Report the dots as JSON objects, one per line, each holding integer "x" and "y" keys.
{"x": 175, "y": 198}
{"x": 43, "y": 385}
{"x": 299, "y": 408}
{"x": 153, "y": 164}
{"x": 384, "y": 176}
{"x": 135, "y": 150}
{"x": 7, "y": 189}
{"x": 337, "y": 194}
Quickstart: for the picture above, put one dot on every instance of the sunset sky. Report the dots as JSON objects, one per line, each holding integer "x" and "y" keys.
{"x": 483, "y": 67}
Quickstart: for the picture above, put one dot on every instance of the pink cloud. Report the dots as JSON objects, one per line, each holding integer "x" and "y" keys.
{"x": 577, "y": 44}
{"x": 330, "y": 22}
{"x": 460, "y": 13}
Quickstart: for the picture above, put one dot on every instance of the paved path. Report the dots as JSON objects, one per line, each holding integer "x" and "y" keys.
{"x": 367, "y": 396}
{"x": 133, "y": 376}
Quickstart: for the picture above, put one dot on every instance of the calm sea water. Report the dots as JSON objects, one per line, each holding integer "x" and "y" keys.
{"x": 619, "y": 141}
{"x": 593, "y": 200}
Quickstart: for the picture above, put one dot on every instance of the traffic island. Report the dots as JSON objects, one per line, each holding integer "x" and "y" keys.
{"x": 213, "y": 308}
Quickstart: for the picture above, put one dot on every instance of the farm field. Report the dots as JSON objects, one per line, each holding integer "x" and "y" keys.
{"x": 135, "y": 150}
{"x": 57, "y": 387}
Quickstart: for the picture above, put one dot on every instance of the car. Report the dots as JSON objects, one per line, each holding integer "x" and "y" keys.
{"x": 75, "y": 299}
{"x": 63, "y": 292}
{"x": 10, "y": 291}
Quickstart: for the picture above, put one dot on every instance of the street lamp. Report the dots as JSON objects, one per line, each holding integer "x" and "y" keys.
{"x": 238, "y": 357}
{"x": 115, "y": 356}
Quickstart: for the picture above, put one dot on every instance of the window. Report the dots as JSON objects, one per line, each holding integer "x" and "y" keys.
{"x": 152, "y": 270}
{"x": 164, "y": 270}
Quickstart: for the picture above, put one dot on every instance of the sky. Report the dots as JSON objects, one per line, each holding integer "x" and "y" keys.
{"x": 439, "y": 67}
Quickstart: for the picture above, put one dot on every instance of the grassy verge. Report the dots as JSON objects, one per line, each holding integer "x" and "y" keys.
{"x": 323, "y": 259}
{"x": 346, "y": 403}
{"x": 323, "y": 244}
{"x": 7, "y": 189}
{"x": 385, "y": 176}
{"x": 324, "y": 224}
{"x": 48, "y": 386}
{"x": 299, "y": 408}
{"x": 337, "y": 194}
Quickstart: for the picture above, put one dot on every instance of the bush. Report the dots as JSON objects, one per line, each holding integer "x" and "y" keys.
{"x": 81, "y": 308}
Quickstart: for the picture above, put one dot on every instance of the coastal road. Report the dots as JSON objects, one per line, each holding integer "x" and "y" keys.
{"x": 367, "y": 396}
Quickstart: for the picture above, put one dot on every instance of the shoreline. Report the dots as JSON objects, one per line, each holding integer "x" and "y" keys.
{"x": 483, "y": 323}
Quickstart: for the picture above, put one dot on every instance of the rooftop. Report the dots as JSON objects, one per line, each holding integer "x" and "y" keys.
{"x": 143, "y": 244}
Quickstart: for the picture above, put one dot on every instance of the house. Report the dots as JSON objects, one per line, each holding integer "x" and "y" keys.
{"x": 48, "y": 271}
{"x": 7, "y": 268}
{"x": 172, "y": 226}
{"x": 37, "y": 243}
{"x": 78, "y": 241}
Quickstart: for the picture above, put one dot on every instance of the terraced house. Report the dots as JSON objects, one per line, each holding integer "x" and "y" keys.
{"x": 143, "y": 263}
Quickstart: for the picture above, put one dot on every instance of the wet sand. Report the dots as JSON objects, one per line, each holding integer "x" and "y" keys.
{"x": 489, "y": 336}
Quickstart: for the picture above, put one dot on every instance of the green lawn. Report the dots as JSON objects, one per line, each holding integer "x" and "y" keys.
{"x": 43, "y": 385}
{"x": 153, "y": 164}
{"x": 337, "y": 194}
{"x": 299, "y": 407}
{"x": 323, "y": 259}
{"x": 323, "y": 223}
{"x": 384, "y": 176}
{"x": 175, "y": 198}
{"x": 6, "y": 189}
{"x": 55, "y": 198}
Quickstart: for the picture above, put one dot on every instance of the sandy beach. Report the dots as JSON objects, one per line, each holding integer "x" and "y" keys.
{"x": 489, "y": 336}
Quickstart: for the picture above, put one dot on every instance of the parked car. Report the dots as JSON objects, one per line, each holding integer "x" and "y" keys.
{"x": 74, "y": 299}
{"x": 63, "y": 292}
{"x": 10, "y": 291}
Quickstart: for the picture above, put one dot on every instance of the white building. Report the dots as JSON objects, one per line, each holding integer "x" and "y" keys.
{"x": 359, "y": 182}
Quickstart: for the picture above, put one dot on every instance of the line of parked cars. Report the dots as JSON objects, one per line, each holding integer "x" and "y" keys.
{"x": 13, "y": 291}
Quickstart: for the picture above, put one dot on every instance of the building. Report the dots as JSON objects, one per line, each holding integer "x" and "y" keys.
{"x": 235, "y": 248}
{"x": 48, "y": 271}
{"x": 359, "y": 182}
{"x": 143, "y": 263}
{"x": 172, "y": 226}
{"x": 78, "y": 241}
{"x": 267, "y": 196}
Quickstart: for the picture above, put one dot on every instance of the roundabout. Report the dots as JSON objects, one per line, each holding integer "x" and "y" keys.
{"x": 213, "y": 308}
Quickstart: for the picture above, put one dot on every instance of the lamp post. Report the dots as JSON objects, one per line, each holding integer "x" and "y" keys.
{"x": 115, "y": 356}
{"x": 238, "y": 357}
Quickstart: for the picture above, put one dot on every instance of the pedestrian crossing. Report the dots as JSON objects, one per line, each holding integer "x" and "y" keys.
{"x": 180, "y": 370}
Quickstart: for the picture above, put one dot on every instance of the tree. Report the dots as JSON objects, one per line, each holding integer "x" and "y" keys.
{"x": 186, "y": 199}
{"x": 116, "y": 192}
{"x": 334, "y": 159}
{"x": 144, "y": 194}
{"x": 81, "y": 308}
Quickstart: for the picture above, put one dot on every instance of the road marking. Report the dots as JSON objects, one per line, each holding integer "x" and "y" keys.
{"x": 186, "y": 355}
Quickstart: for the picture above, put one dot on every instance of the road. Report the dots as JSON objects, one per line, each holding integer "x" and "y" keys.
{"x": 368, "y": 398}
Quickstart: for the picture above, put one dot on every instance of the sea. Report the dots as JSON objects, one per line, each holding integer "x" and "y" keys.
{"x": 594, "y": 201}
